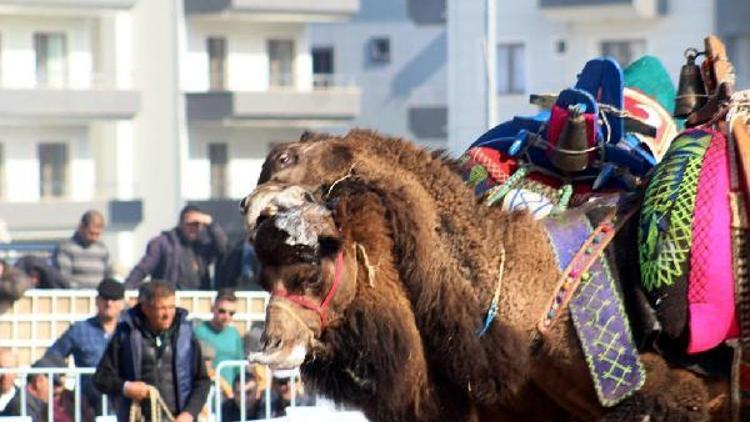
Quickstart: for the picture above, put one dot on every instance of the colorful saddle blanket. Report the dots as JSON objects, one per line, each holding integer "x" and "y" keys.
{"x": 512, "y": 164}
{"x": 596, "y": 306}
{"x": 685, "y": 242}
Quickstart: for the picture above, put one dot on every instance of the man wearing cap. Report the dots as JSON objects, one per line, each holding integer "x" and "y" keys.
{"x": 86, "y": 340}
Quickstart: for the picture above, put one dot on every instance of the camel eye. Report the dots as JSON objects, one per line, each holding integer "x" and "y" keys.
{"x": 284, "y": 158}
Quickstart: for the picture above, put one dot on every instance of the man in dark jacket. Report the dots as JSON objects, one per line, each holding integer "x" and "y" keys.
{"x": 154, "y": 346}
{"x": 181, "y": 256}
{"x": 239, "y": 269}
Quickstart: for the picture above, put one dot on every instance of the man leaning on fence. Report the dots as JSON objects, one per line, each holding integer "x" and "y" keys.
{"x": 154, "y": 357}
{"x": 83, "y": 260}
{"x": 182, "y": 256}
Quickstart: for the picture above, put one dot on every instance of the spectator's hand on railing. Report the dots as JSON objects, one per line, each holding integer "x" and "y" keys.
{"x": 184, "y": 417}
{"x": 135, "y": 390}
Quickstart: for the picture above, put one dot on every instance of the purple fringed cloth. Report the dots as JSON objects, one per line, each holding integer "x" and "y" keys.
{"x": 598, "y": 313}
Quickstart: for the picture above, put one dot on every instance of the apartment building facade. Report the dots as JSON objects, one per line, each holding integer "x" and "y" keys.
{"x": 424, "y": 67}
{"x": 541, "y": 45}
{"x": 137, "y": 107}
{"x": 67, "y": 104}
{"x": 395, "y": 50}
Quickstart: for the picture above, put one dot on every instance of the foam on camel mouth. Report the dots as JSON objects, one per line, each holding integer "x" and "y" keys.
{"x": 267, "y": 201}
{"x": 280, "y": 358}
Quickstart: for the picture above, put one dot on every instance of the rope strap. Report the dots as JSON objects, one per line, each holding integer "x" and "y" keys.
{"x": 157, "y": 406}
{"x": 492, "y": 312}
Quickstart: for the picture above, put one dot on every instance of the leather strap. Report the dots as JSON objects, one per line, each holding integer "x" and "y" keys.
{"x": 577, "y": 270}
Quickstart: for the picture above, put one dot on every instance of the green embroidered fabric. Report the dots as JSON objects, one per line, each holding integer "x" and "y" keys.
{"x": 665, "y": 234}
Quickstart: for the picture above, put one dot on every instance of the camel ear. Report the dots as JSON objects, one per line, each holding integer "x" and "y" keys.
{"x": 309, "y": 136}
{"x": 329, "y": 245}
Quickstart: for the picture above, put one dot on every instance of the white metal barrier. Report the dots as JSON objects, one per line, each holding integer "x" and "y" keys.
{"x": 214, "y": 400}
{"x": 50, "y": 373}
{"x": 243, "y": 364}
{"x": 37, "y": 319}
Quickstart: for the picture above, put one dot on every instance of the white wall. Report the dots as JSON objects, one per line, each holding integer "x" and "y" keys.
{"x": 247, "y": 58}
{"x": 467, "y": 83}
{"x": 156, "y": 127}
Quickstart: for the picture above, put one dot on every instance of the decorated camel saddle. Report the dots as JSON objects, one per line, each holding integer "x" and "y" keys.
{"x": 598, "y": 140}
{"x": 612, "y": 133}
{"x": 603, "y": 135}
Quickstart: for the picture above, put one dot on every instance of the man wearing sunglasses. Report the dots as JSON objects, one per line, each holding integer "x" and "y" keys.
{"x": 182, "y": 256}
{"x": 221, "y": 335}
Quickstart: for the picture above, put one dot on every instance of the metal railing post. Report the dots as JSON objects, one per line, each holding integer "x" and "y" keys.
{"x": 243, "y": 396}
{"x": 50, "y": 397}
{"x": 77, "y": 395}
{"x": 269, "y": 375}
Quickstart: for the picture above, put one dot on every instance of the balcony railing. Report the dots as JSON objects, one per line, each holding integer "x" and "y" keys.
{"x": 323, "y": 81}
{"x": 94, "y": 81}
{"x": 71, "y": 4}
{"x": 312, "y": 9}
{"x": 597, "y": 10}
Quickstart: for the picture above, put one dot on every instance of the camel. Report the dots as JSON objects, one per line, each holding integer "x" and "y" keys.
{"x": 380, "y": 299}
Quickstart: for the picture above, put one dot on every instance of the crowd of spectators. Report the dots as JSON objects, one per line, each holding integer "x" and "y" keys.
{"x": 151, "y": 346}
{"x": 194, "y": 255}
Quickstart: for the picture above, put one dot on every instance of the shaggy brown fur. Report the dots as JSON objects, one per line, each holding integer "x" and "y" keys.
{"x": 445, "y": 250}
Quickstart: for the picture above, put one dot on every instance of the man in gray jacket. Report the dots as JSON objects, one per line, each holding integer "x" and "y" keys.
{"x": 83, "y": 260}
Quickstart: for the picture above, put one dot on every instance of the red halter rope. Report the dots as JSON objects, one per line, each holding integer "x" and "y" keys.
{"x": 321, "y": 309}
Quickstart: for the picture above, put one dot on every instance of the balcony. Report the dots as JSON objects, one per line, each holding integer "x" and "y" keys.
{"x": 602, "y": 10}
{"x": 325, "y": 103}
{"x": 67, "y": 104}
{"x": 275, "y": 10}
{"x": 62, "y": 214}
{"x": 69, "y": 4}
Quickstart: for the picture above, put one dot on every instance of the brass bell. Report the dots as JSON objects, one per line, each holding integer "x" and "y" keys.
{"x": 571, "y": 154}
{"x": 691, "y": 91}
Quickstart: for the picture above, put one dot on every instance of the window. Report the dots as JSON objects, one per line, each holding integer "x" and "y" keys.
{"x": 281, "y": 63}
{"x": 217, "y": 58}
{"x": 426, "y": 12}
{"x": 511, "y": 69}
{"x": 624, "y": 51}
{"x": 380, "y": 50}
{"x": 217, "y": 158}
{"x": 429, "y": 122}
{"x": 322, "y": 58}
{"x": 51, "y": 53}
{"x": 53, "y": 170}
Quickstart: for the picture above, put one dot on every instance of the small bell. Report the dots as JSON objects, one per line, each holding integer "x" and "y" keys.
{"x": 571, "y": 154}
{"x": 691, "y": 91}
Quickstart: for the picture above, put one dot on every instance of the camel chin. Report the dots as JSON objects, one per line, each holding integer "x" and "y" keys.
{"x": 280, "y": 358}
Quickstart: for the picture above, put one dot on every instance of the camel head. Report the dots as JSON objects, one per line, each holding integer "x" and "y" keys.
{"x": 303, "y": 267}
{"x": 313, "y": 160}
